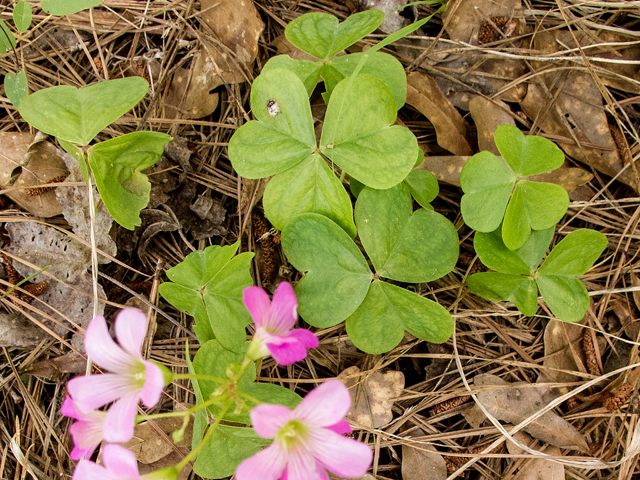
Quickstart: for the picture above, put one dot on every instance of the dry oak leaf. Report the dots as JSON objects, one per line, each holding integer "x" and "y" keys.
{"x": 149, "y": 446}
{"x": 452, "y": 131}
{"x": 515, "y": 402}
{"x": 419, "y": 464}
{"x": 489, "y": 115}
{"x": 25, "y": 164}
{"x": 562, "y": 351}
{"x": 372, "y": 395}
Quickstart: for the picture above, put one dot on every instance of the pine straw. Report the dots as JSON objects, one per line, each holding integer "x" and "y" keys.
{"x": 489, "y": 338}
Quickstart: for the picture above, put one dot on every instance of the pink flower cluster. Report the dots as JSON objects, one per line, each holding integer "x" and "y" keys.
{"x": 308, "y": 441}
{"x": 133, "y": 379}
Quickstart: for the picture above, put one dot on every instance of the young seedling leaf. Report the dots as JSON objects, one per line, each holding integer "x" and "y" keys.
{"x": 533, "y": 206}
{"x": 359, "y": 135}
{"x": 404, "y": 246}
{"x": 338, "y": 276}
{"x": 322, "y": 36}
{"x": 67, "y": 7}
{"x": 528, "y": 155}
{"x": 306, "y": 70}
{"x": 309, "y": 187}
{"x": 78, "y": 115}
{"x": 22, "y": 16}
{"x": 16, "y": 87}
{"x": 208, "y": 284}
{"x": 423, "y": 186}
{"x": 487, "y": 183}
{"x": 382, "y": 66}
{"x": 379, "y": 323}
{"x": 117, "y": 166}
{"x": 282, "y": 136}
{"x": 503, "y": 286}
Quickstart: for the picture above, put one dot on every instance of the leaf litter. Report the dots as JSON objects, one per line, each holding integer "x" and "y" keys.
{"x": 479, "y": 53}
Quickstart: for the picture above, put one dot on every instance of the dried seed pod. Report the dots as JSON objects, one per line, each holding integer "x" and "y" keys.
{"x": 572, "y": 403}
{"x": 448, "y": 405}
{"x": 590, "y": 355}
{"x": 36, "y": 289}
{"x": 505, "y": 28}
{"x": 37, "y": 191}
{"x": 269, "y": 253}
{"x": 620, "y": 142}
{"x": 614, "y": 402}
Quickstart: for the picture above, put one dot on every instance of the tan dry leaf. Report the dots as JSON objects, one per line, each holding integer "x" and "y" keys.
{"x": 236, "y": 23}
{"x": 515, "y": 402}
{"x": 365, "y": 477}
{"x": 635, "y": 282}
{"x": 462, "y": 18}
{"x": 489, "y": 115}
{"x": 538, "y": 468}
{"x": 562, "y": 346}
{"x": 567, "y": 177}
{"x": 189, "y": 93}
{"x": 149, "y": 446}
{"x": 285, "y": 47}
{"x": 446, "y": 168}
{"x": 371, "y": 406}
{"x": 420, "y": 465}
{"x": 68, "y": 363}
{"x": 44, "y": 163}
{"x": 452, "y": 131}
{"x": 17, "y": 331}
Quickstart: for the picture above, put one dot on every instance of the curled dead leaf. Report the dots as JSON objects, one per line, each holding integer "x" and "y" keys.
{"x": 372, "y": 395}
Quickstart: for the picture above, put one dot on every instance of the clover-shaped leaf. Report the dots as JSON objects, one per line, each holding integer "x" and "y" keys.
{"x": 406, "y": 246}
{"x": 338, "y": 283}
{"x": 423, "y": 186}
{"x": 320, "y": 34}
{"x": 497, "y": 191}
{"x": 78, "y": 115}
{"x": 359, "y": 135}
{"x": 208, "y": 284}
{"x": 305, "y": 70}
{"x": 516, "y": 276}
{"x": 117, "y": 166}
{"x": 310, "y": 186}
{"x": 282, "y": 136}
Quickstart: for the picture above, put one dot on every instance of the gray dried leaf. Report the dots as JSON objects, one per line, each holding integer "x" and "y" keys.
{"x": 16, "y": 331}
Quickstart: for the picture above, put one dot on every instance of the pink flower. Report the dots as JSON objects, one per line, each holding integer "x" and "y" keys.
{"x": 133, "y": 378}
{"x": 120, "y": 463}
{"x": 86, "y": 432}
{"x": 274, "y": 321}
{"x": 308, "y": 439}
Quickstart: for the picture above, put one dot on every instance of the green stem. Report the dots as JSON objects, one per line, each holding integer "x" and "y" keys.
{"x": 142, "y": 418}
{"x": 189, "y": 376}
{"x": 194, "y": 453}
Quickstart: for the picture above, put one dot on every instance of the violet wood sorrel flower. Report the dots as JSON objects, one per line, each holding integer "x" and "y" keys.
{"x": 86, "y": 432}
{"x": 119, "y": 464}
{"x": 133, "y": 378}
{"x": 274, "y": 322}
{"x": 308, "y": 440}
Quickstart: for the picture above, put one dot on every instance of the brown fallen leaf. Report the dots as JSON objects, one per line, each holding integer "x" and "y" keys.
{"x": 373, "y": 396}
{"x": 419, "y": 465}
{"x": 538, "y": 468}
{"x": 68, "y": 363}
{"x": 452, "y": 131}
{"x": 189, "y": 93}
{"x": 25, "y": 164}
{"x": 515, "y": 402}
{"x": 563, "y": 350}
{"x": 285, "y": 47}
{"x": 462, "y": 19}
{"x": 567, "y": 177}
{"x": 149, "y": 446}
{"x": 16, "y": 331}
{"x": 489, "y": 115}
{"x": 365, "y": 477}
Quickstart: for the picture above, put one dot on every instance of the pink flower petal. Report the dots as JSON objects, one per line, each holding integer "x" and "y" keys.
{"x": 69, "y": 410}
{"x": 340, "y": 428}
{"x": 257, "y": 302}
{"x": 267, "y": 464}
{"x": 120, "y": 461}
{"x": 131, "y": 328}
{"x": 95, "y": 391}
{"x": 325, "y": 405}
{"x": 86, "y": 435}
{"x": 153, "y": 385}
{"x": 284, "y": 310}
{"x": 304, "y": 336}
{"x": 287, "y": 353}
{"x": 302, "y": 466}
{"x": 103, "y": 351}
{"x": 118, "y": 425}
{"x": 343, "y": 456}
{"x": 86, "y": 470}
{"x": 267, "y": 419}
